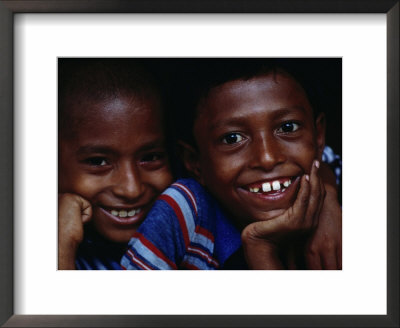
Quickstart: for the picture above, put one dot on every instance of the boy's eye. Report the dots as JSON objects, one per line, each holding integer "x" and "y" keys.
{"x": 97, "y": 161}
{"x": 152, "y": 157}
{"x": 288, "y": 127}
{"x": 232, "y": 138}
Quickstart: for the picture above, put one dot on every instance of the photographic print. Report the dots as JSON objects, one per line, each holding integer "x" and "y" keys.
{"x": 184, "y": 163}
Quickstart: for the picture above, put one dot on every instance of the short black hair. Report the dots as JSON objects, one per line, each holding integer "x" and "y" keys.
{"x": 93, "y": 80}
{"x": 195, "y": 77}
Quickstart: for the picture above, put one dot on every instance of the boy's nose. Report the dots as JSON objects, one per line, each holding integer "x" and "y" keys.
{"x": 265, "y": 153}
{"x": 128, "y": 184}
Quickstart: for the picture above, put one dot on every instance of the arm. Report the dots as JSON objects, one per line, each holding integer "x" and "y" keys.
{"x": 264, "y": 241}
{"x": 73, "y": 212}
{"x": 324, "y": 247}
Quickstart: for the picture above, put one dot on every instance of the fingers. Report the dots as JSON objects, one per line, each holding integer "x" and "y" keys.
{"x": 319, "y": 262}
{"x": 86, "y": 209}
{"x": 313, "y": 261}
{"x": 301, "y": 217}
{"x": 72, "y": 205}
{"x": 312, "y": 255}
{"x": 299, "y": 208}
{"x": 316, "y": 196}
{"x": 329, "y": 262}
{"x": 308, "y": 203}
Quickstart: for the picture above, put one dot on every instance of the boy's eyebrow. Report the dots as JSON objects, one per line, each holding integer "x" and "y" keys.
{"x": 152, "y": 144}
{"x": 226, "y": 122}
{"x": 94, "y": 149}
{"x": 288, "y": 110}
{"x": 91, "y": 149}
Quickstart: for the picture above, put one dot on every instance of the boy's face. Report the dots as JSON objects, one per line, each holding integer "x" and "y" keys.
{"x": 255, "y": 139}
{"x": 116, "y": 159}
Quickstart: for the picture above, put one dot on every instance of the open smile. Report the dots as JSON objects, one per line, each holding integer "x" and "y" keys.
{"x": 270, "y": 194}
{"x": 127, "y": 213}
{"x": 124, "y": 216}
{"x": 271, "y": 186}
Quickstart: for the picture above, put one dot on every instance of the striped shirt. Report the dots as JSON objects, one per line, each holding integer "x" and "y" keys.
{"x": 97, "y": 253}
{"x": 186, "y": 229}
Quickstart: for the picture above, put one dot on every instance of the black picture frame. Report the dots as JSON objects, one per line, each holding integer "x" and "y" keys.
{"x": 10, "y": 7}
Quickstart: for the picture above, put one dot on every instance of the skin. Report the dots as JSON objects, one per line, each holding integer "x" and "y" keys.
{"x": 324, "y": 248}
{"x": 241, "y": 141}
{"x": 115, "y": 159}
{"x": 257, "y": 130}
{"x": 274, "y": 244}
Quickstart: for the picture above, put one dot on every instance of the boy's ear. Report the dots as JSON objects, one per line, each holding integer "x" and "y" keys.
{"x": 320, "y": 125}
{"x": 190, "y": 159}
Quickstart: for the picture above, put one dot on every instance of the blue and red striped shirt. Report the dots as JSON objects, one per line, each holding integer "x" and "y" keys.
{"x": 185, "y": 229}
{"x": 98, "y": 253}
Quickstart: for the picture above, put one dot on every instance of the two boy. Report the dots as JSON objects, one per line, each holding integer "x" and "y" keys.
{"x": 250, "y": 135}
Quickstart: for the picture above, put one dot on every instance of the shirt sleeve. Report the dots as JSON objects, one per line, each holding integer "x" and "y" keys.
{"x": 335, "y": 163}
{"x": 162, "y": 239}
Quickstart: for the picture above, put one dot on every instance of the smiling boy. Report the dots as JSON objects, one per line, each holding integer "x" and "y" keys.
{"x": 254, "y": 149}
{"x": 112, "y": 159}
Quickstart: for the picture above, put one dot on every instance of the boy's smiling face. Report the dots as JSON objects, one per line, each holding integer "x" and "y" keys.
{"x": 115, "y": 158}
{"x": 255, "y": 139}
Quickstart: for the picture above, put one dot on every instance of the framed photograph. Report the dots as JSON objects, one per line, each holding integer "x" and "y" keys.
{"x": 363, "y": 34}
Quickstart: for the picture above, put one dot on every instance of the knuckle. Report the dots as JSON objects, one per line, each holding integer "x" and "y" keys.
{"x": 250, "y": 232}
{"x": 70, "y": 200}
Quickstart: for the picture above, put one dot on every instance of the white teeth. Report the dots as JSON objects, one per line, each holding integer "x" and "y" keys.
{"x": 276, "y": 185}
{"x": 266, "y": 187}
{"x": 124, "y": 213}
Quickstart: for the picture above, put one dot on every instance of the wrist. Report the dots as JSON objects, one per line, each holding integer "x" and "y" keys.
{"x": 66, "y": 257}
{"x": 261, "y": 254}
{"x": 67, "y": 249}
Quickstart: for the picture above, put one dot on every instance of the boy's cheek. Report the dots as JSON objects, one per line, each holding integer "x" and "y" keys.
{"x": 82, "y": 186}
{"x": 305, "y": 156}
{"x": 213, "y": 170}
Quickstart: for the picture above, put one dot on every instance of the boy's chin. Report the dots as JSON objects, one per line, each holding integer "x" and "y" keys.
{"x": 117, "y": 236}
{"x": 259, "y": 216}
{"x": 269, "y": 215}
